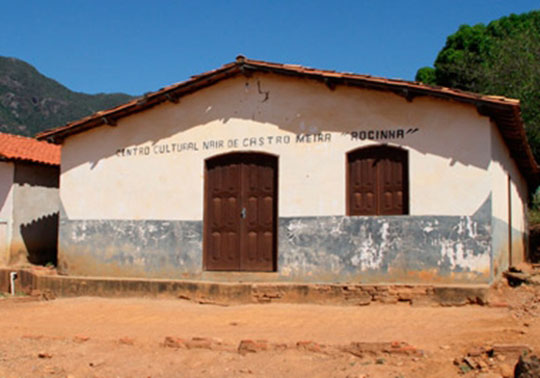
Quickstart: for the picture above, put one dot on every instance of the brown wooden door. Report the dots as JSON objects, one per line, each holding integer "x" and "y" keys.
{"x": 363, "y": 181}
{"x": 240, "y": 212}
{"x": 390, "y": 170}
{"x": 378, "y": 181}
{"x": 223, "y": 206}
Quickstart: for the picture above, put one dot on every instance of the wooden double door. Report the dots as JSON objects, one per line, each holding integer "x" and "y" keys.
{"x": 240, "y": 214}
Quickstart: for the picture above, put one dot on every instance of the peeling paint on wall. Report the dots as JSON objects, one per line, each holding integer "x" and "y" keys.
{"x": 500, "y": 246}
{"x": 387, "y": 248}
{"x": 130, "y": 248}
{"x": 311, "y": 249}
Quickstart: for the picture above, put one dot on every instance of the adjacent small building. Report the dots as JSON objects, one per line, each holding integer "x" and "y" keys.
{"x": 262, "y": 171}
{"x": 29, "y": 203}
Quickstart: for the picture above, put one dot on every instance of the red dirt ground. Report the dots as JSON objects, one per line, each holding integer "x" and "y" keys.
{"x": 99, "y": 337}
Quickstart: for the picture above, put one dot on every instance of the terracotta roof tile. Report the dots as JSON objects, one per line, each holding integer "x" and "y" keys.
{"x": 15, "y": 147}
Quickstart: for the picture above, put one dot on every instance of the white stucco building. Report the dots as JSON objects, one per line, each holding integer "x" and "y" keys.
{"x": 273, "y": 172}
{"x": 29, "y": 205}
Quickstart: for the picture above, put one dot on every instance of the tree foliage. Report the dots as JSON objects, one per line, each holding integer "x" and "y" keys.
{"x": 502, "y": 58}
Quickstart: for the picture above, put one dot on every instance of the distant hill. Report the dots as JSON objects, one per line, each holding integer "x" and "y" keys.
{"x": 31, "y": 102}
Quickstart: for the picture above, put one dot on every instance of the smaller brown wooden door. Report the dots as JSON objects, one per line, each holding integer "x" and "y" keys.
{"x": 240, "y": 212}
{"x": 377, "y": 181}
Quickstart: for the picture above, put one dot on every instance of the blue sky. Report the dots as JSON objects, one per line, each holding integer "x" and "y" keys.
{"x": 137, "y": 46}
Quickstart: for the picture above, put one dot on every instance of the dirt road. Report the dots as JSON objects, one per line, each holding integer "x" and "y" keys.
{"x": 98, "y": 337}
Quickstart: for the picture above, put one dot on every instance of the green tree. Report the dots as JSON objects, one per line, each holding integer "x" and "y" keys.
{"x": 502, "y": 58}
{"x": 426, "y": 75}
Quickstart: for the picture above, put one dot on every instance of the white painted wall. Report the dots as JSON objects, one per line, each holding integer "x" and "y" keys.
{"x": 36, "y": 203}
{"x": 502, "y": 167}
{"x": 6, "y": 209}
{"x": 449, "y": 154}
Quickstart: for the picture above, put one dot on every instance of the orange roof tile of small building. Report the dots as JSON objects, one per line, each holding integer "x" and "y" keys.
{"x": 15, "y": 147}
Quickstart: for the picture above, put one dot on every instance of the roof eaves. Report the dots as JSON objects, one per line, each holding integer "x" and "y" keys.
{"x": 409, "y": 90}
{"x": 504, "y": 111}
{"x": 33, "y": 161}
{"x": 170, "y": 93}
{"x": 400, "y": 87}
{"x": 45, "y": 161}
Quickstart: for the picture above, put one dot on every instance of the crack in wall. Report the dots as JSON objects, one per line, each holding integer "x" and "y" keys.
{"x": 265, "y": 93}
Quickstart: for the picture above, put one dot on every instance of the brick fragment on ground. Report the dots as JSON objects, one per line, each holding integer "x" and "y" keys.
{"x": 173, "y": 342}
{"x": 252, "y": 346}
{"x": 477, "y": 351}
{"x": 472, "y": 362}
{"x": 310, "y": 346}
{"x": 199, "y": 343}
{"x": 279, "y": 347}
{"x": 510, "y": 350}
{"x": 401, "y": 347}
{"x": 362, "y": 349}
{"x": 408, "y": 350}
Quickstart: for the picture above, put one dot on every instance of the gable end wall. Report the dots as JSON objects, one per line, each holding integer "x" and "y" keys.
{"x": 132, "y": 195}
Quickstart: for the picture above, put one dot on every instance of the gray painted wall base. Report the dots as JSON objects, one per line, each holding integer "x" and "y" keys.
{"x": 167, "y": 249}
{"x": 408, "y": 249}
{"x": 385, "y": 249}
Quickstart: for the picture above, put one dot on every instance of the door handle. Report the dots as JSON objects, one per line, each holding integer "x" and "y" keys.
{"x": 243, "y": 213}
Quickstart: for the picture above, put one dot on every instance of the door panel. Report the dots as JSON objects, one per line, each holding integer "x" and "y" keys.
{"x": 267, "y": 211}
{"x": 223, "y": 206}
{"x": 215, "y": 247}
{"x": 246, "y": 226}
{"x": 362, "y": 173}
{"x": 391, "y": 168}
{"x": 261, "y": 176}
